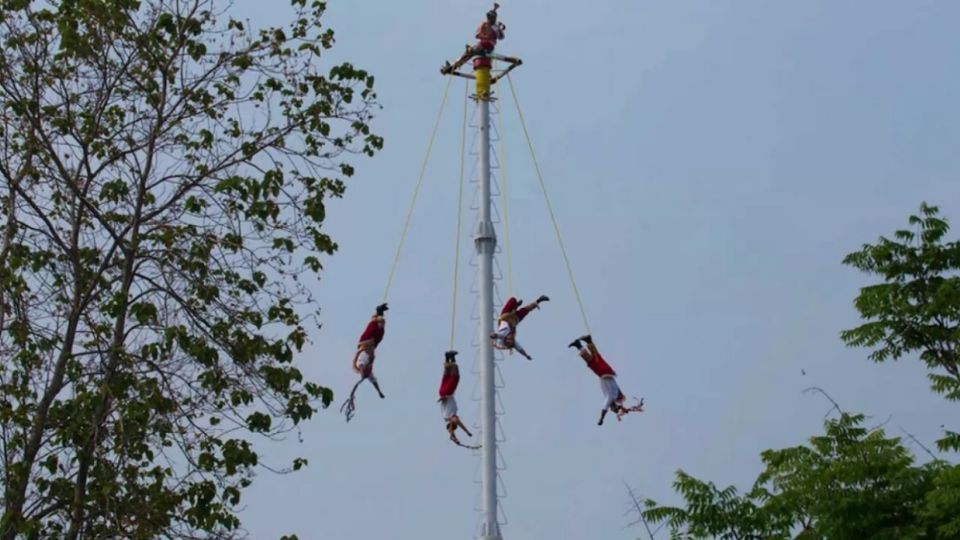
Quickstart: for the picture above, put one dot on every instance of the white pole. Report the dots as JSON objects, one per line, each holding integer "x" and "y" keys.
{"x": 486, "y": 241}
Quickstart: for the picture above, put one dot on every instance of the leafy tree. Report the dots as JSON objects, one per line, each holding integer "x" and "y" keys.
{"x": 941, "y": 503}
{"x": 165, "y": 171}
{"x": 916, "y": 309}
{"x": 849, "y": 483}
{"x": 712, "y": 512}
{"x": 853, "y": 482}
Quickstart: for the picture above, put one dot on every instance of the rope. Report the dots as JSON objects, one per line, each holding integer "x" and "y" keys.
{"x": 456, "y": 251}
{"x": 416, "y": 191}
{"x": 505, "y": 202}
{"x": 543, "y": 187}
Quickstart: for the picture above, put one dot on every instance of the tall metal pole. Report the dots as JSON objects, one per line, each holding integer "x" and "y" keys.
{"x": 486, "y": 242}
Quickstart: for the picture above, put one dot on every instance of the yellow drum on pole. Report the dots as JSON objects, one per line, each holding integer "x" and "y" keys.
{"x": 483, "y": 82}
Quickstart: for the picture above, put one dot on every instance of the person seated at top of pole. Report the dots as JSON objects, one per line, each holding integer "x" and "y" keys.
{"x": 510, "y": 316}
{"x": 488, "y": 34}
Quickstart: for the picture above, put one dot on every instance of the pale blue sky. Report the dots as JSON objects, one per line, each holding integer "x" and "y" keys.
{"x": 710, "y": 162}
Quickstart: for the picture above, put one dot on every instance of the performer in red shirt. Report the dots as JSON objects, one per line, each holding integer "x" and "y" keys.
{"x": 490, "y": 31}
{"x": 488, "y": 34}
{"x": 448, "y": 403}
{"x": 510, "y": 316}
{"x": 613, "y": 397}
{"x": 366, "y": 353}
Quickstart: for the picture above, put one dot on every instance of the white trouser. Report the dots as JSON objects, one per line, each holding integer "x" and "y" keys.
{"x": 503, "y": 330}
{"x": 611, "y": 391}
{"x": 448, "y": 408}
{"x": 502, "y": 333}
{"x": 364, "y": 362}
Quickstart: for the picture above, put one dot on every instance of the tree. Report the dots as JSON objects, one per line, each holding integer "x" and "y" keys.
{"x": 916, "y": 309}
{"x": 853, "y": 482}
{"x": 165, "y": 174}
{"x": 849, "y": 483}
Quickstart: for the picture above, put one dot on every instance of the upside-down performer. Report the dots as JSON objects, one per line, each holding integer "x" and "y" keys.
{"x": 364, "y": 357}
{"x": 510, "y": 316}
{"x": 488, "y": 33}
{"x": 448, "y": 403}
{"x": 613, "y": 397}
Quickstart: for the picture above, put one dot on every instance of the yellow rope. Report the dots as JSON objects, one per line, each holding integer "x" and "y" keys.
{"x": 416, "y": 191}
{"x": 456, "y": 251}
{"x": 546, "y": 198}
{"x": 505, "y": 203}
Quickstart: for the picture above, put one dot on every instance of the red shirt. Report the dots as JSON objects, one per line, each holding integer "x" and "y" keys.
{"x": 510, "y": 305}
{"x": 489, "y": 32}
{"x": 373, "y": 331}
{"x": 599, "y": 366}
{"x": 450, "y": 380}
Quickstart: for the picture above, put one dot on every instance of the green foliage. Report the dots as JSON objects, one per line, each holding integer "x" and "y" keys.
{"x": 853, "y": 482}
{"x": 166, "y": 171}
{"x": 713, "y": 513}
{"x": 916, "y": 309}
{"x": 941, "y": 503}
{"x": 849, "y": 483}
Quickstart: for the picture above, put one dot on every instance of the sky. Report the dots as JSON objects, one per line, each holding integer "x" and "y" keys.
{"x": 710, "y": 163}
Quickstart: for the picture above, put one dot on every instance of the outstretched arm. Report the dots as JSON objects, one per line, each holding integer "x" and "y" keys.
{"x": 463, "y": 427}
{"x": 623, "y": 409}
{"x": 520, "y": 349}
{"x": 376, "y": 386}
{"x": 353, "y": 391}
{"x": 452, "y": 430}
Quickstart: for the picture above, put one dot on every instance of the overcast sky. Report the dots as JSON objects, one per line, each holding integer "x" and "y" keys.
{"x": 710, "y": 162}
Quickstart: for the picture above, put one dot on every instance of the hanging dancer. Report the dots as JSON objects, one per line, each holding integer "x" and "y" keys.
{"x": 488, "y": 33}
{"x": 505, "y": 337}
{"x": 448, "y": 403}
{"x": 364, "y": 357}
{"x": 608, "y": 381}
